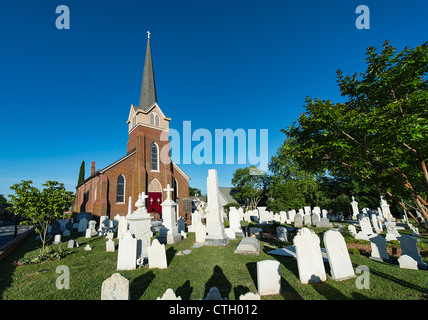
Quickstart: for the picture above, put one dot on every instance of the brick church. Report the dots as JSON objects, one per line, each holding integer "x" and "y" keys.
{"x": 146, "y": 167}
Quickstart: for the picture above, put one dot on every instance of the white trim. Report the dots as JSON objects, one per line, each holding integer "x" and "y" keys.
{"x": 181, "y": 171}
{"x": 157, "y": 157}
{"x": 148, "y": 126}
{"x": 124, "y": 188}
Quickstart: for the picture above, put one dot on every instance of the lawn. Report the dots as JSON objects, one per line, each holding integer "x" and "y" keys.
{"x": 191, "y": 276}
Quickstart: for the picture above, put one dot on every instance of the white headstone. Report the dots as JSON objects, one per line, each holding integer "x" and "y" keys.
{"x": 157, "y": 255}
{"x": 355, "y": 210}
{"x": 127, "y": 252}
{"x": 169, "y": 295}
{"x": 366, "y": 227}
{"x": 268, "y": 277}
{"x": 352, "y": 230}
{"x": 407, "y": 262}
{"x": 122, "y": 228}
{"x": 139, "y": 224}
{"x": 235, "y": 221}
{"x": 249, "y": 296}
{"x": 281, "y": 234}
{"x": 115, "y": 288}
{"x": 248, "y": 245}
{"x": 57, "y": 239}
{"x": 298, "y": 221}
{"x": 215, "y": 229}
{"x": 291, "y": 215}
{"x": 110, "y": 247}
{"x": 200, "y": 232}
{"x": 173, "y": 235}
{"x": 230, "y": 233}
{"x": 338, "y": 256}
{"x": 391, "y": 231}
{"x": 87, "y": 247}
{"x": 309, "y": 258}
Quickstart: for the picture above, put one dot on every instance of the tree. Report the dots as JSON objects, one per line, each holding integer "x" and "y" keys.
{"x": 249, "y": 185}
{"x": 41, "y": 208}
{"x": 290, "y": 187}
{"x": 194, "y": 191}
{"x": 81, "y": 173}
{"x": 380, "y": 134}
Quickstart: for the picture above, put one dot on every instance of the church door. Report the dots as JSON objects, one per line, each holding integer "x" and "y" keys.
{"x": 154, "y": 202}
{"x": 155, "y": 198}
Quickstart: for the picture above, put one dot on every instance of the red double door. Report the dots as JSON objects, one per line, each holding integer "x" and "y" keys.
{"x": 154, "y": 202}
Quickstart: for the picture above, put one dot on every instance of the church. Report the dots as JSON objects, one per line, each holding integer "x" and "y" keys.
{"x": 146, "y": 167}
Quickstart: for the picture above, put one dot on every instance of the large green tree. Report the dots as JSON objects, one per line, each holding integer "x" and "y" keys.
{"x": 379, "y": 135}
{"x": 290, "y": 187}
{"x": 41, "y": 208}
{"x": 249, "y": 185}
{"x": 81, "y": 173}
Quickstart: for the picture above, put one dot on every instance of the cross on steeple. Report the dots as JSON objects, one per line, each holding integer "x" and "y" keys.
{"x": 148, "y": 34}
{"x": 168, "y": 190}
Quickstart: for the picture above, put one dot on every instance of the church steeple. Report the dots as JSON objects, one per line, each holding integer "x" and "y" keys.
{"x": 148, "y": 87}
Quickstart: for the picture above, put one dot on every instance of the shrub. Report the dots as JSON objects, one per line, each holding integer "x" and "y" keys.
{"x": 354, "y": 251}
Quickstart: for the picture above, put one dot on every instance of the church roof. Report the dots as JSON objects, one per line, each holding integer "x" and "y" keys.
{"x": 148, "y": 88}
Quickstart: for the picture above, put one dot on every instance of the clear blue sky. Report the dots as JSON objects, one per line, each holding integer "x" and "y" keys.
{"x": 65, "y": 95}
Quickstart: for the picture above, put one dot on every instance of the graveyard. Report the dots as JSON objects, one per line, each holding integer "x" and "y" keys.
{"x": 193, "y": 270}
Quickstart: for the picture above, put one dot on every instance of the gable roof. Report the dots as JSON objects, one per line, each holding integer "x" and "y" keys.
{"x": 227, "y": 194}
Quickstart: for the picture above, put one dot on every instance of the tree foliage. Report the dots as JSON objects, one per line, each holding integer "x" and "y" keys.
{"x": 379, "y": 135}
{"x": 81, "y": 173}
{"x": 249, "y": 185}
{"x": 41, "y": 208}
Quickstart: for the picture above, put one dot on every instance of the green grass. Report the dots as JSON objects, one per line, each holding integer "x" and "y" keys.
{"x": 191, "y": 276}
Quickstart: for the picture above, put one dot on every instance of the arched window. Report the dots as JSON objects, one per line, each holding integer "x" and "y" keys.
{"x": 154, "y": 157}
{"x": 154, "y": 119}
{"x": 120, "y": 195}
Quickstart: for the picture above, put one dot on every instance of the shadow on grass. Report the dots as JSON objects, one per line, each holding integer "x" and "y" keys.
{"x": 218, "y": 280}
{"x": 170, "y": 254}
{"x": 184, "y": 291}
{"x": 140, "y": 284}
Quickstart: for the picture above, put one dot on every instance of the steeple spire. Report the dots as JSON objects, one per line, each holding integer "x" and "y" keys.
{"x": 148, "y": 87}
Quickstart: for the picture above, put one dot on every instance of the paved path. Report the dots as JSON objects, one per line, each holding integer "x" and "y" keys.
{"x": 7, "y": 232}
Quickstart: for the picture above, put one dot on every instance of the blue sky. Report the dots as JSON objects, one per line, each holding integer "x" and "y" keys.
{"x": 65, "y": 95}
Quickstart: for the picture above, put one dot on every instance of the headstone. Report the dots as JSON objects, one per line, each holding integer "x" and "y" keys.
{"x": 70, "y": 244}
{"x": 56, "y": 228}
{"x": 200, "y": 233}
{"x": 214, "y": 294}
{"x": 127, "y": 252}
{"x": 83, "y": 225}
{"x": 283, "y": 217}
{"x": 249, "y": 296}
{"x": 281, "y": 234}
{"x": 268, "y": 277}
{"x": 110, "y": 247}
{"x": 366, "y": 227}
{"x": 122, "y": 227}
{"x": 409, "y": 247}
{"x": 263, "y": 215}
{"x": 248, "y": 245}
{"x": 115, "y": 288}
{"x": 291, "y": 215}
{"x": 69, "y": 226}
{"x": 88, "y": 233}
{"x": 57, "y": 239}
{"x": 307, "y": 220}
{"x": 87, "y": 248}
{"x": 375, "y": 223}
{"x": 378, "y": 248}
{"x": 139, "y": 226}
{"x": 230, "y": 233}
{"x": 309, "y": 258}
{"x": 407, "y": 262}
{"x": 352, "y": 230}
{"x": 385, "y": 209}
{"x": 215, "y": 229}
{"x": 338, "y": 256}
{"x": 83, "y": 215}
{"x": 355, "y": 210}
{"x": 255, "y": 232}
{"x": 391, "y": 231}
{"x": 307, "y": 210}
{"x": 66, "y": 233}
{"x": 298, "y": 221}
{"x": 173, "y": 235}
{"x": 169, "y": 295}
{"x": 235, "y": 221}
{"x": 157, "y": 255}
{"x": 181, "y": 224}
{"x": 315, "y": 219}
